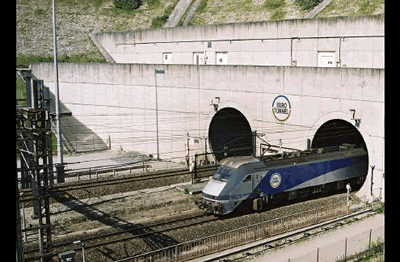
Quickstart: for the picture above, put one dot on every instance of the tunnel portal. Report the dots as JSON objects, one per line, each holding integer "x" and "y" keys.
{"x": 230, "y": 134}
{"x": 336, "y": 132}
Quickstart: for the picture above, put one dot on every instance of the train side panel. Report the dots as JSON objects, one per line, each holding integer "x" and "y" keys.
{"x": 247, "y": 181}
{"x": 309, "y": 175}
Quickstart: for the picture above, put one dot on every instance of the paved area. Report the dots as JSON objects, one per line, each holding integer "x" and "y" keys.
{"x": 112, "y": 157}
{"x": 86, "y": 160}
{"x": 332, "y": 244}
{"x": 108, "y": 158}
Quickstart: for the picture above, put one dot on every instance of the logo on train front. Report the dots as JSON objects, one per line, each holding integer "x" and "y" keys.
{"x": 275, "y": 180}
{"x": 281, "y": 108}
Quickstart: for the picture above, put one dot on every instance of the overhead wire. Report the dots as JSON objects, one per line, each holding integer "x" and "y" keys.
{"x": 108, "y": 123}
{"x": 169, "y": 137}
{"x": 344, "y": 132}
{"x": 134, "y": 107}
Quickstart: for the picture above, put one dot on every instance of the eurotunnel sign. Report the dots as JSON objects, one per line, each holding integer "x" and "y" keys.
{"x": 281, "y": 108}
{"x": 275, "y": 180}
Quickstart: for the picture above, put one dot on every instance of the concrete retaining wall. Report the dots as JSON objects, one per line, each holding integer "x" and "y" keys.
{"x": 118, "y": 100}
{"x": 351, "y": 41}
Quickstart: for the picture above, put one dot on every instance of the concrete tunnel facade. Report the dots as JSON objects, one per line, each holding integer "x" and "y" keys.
{"x": 196, "y": 106}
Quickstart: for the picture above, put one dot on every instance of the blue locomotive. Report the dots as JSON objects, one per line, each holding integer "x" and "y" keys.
{"x": 258, "y": 182}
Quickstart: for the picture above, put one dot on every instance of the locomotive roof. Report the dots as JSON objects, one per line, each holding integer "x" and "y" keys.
{"x": 235, "y": 162}
{"x": 315, "y": 157}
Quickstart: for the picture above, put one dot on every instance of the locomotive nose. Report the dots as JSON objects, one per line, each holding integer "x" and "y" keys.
{"x": 213, "y": 188}
{"x": 212, "y": 207}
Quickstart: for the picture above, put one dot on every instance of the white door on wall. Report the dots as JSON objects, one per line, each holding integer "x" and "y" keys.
{"x": 222, "y": 58}
{"x": 167, "y": 58}
{"x": 326, "y": 59}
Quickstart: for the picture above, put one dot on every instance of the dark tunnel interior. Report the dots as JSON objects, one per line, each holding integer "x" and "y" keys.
{"x": 336, "y": 132}
{"x": 230, "y": 131}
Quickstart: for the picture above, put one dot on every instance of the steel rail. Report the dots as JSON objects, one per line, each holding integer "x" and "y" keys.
{"x": 112, "y": 241}
{"x": 27, "y": 196}
{"x": 120, "y": 232}
{"x": 177, "y": 227}
{"x": 265, "y": 241}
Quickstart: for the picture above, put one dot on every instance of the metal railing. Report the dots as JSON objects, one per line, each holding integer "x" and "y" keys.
{"x": 109, "y": 170}
{"x": 221, "y": 241}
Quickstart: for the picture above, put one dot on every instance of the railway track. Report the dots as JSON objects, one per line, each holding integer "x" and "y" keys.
{"x": 57, "y": 189}
{"x": 238, "y": 254}
{"x": 288, "y": 225}
{"x": 139, "y": 238}
{"x": 127, "y": 232}
{"x": 127, "y": 239}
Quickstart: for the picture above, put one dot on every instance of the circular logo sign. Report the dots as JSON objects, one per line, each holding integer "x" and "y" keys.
{"x": 281, "y": 108}
{"x": 275, "y": 180}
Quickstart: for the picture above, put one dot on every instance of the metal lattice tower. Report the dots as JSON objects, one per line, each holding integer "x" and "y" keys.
{"x": 34, "y": 149}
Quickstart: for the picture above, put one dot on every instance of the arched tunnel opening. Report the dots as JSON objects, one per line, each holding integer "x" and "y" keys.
{"x": 336, "y": 132}
{"x": 230, "y": 134}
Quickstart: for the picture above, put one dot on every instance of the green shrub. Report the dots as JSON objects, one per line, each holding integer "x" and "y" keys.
{"x": 89, "y": 57}
{"x": 38, "y": 11}
{"x": 153, "y": 4}
{"x": 202, "y": 6}
{"x": 273, "y": 4}
{"x": 278, "y": 15}
{"x": 159, "y": 21}
{"x": 127, "y": 4}
{"x": 380, "y": 208}
{"x": 308, "y": 4}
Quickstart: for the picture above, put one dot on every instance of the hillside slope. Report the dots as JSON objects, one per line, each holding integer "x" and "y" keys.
{"x": 231, "y": 11}
{"x": 353, "y": 8}
{"x": 77, "y": 18}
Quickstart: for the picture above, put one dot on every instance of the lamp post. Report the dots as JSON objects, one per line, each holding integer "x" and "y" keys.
{"x": 60, "y": 164}
{"x": 155, "y": 80}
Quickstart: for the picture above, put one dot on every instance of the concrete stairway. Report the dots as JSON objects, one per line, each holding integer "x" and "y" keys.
{"x": 318, "y": 9}
{"x": 191, "y": 12}
{"x": 177, "y": 13}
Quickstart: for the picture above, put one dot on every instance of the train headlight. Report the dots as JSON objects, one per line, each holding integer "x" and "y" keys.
{"x": 219, "y": 207}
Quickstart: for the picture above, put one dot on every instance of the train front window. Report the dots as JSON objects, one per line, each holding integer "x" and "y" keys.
{"x": 247, "y": 179}
{"x": 223, "y": 174}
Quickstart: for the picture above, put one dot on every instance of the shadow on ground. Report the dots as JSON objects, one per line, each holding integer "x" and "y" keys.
{"x": 153, "y": 240}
